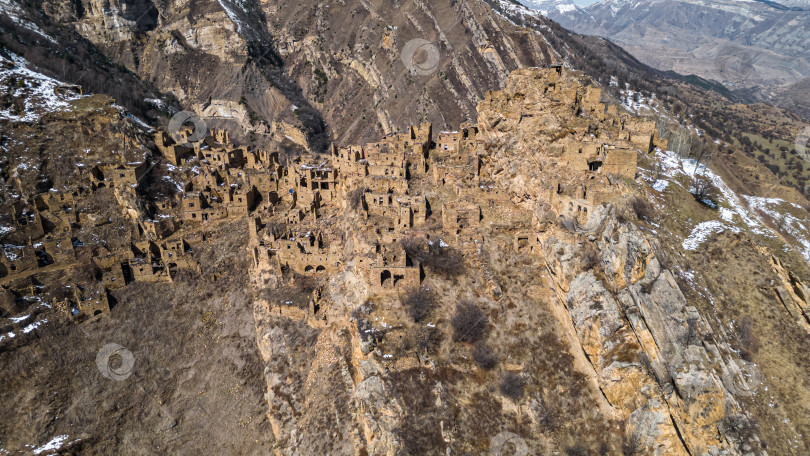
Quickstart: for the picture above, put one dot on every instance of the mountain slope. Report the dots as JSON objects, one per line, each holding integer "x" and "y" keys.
{"x": 57, "y": 225}
{"x": 549, "y": 278}
{"x": 64, "y": 54}
{"x": 608, "y": 324}
{"x": 328, "y": 65}
{"x": 755, "y": 48}
{"x": 304, "y": 76}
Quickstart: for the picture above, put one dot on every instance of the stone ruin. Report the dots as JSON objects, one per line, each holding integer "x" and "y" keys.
{"x": 406, "y": 185}
{"x": 410, "y": 180}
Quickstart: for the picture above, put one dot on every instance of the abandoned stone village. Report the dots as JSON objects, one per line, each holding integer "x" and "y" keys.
{"x": 437, "y": 186}
{"x": 523, "y": 198}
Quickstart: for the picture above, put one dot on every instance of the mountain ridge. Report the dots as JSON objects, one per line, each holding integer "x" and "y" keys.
{"x": 754, "y": 48}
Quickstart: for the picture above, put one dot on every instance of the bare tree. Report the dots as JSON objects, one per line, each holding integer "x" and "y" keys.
{"x": 657, "y": 171}
{"x": 418, "y": 302}
{"x": 704, "y": 191}
{"x": 469, "y": 323}
{"x": 681, "y": 142}
{"x": 704, "y": 151}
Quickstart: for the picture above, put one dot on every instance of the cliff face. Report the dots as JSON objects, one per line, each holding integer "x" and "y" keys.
{"x": 308, "y": 63}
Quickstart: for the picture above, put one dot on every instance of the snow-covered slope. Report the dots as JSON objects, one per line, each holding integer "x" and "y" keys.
{"x": 795, "y": 3}
{"x": 17, "y": 16}
{"x": 552, "y": 8}
{"x": 29, "y": 94}
{"x": 770, "y": 218}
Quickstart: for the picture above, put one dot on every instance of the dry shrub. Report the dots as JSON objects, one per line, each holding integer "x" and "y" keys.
{"x": 469, "y": 323}
{"x": 512, "y": 386}
{"x": 356, "y": 198}
{"x": 643, "y": 209}
{"x": 749, "y": 342}
{"x": 664, "y": 259}
{"x": 484, "y": 356}
{"x": 548, "y": 416}
{"x": 447, "y": 261}
{"x": 692, "y": 332}
{"x": 418, "y": 302}
{"x": 741, "y": 429}
{"x": 705, "y": 191}
{"x": 590, "y": 258}
{"x": 631, "y": 444}
{"x": 418, "y": 430}
{"x": 414, "y": 247}
{"x": 646, "y": 365}
{"x": 426, "y": 340}
{"x": 154, "y": 185}
{"x": 306, "y": 284}
{"x": 577, "y": 449}
{"x": 298, "y": 294}
{"x": 545, "y": 214}
{"x": 277, "y": 228}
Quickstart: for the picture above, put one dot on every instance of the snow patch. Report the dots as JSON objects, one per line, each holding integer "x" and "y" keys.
{"x": 35, "y": 89}
{"x": 702, "y": 231}
{"x": 15, "y": 13}
{"x": 736, "y": 212}
{"x": 778, "y": 211}
{"x": 638, "y": 103}
{"x": 660, "y": 185}
{"x": 19, "y": 319}
{"x": 232, "y": 15}
{"x": 566, "y": 8}
{"x": 33, "y": 326}
{"x": 54, "y": 444}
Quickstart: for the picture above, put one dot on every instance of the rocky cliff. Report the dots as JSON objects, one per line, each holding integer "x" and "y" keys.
{"x": 306, "y": 64}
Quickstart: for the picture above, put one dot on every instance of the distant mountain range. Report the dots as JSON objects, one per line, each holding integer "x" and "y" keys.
{"x": 759, "y": 49}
